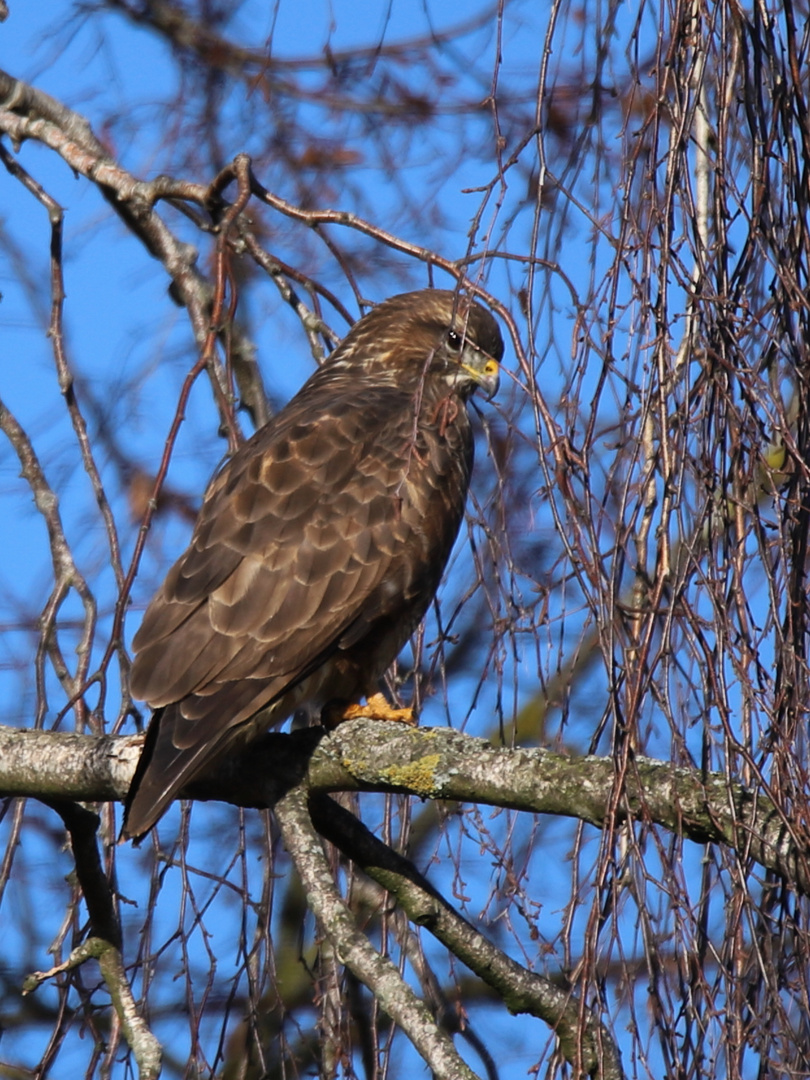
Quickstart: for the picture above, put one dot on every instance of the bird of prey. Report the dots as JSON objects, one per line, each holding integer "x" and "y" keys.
{"x": 319, "y": 545}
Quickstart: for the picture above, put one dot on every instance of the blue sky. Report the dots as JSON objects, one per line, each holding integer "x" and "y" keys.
{"x": 132, "y": 347}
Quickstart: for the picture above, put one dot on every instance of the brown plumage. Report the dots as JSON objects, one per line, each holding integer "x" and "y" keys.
{"x": 319, "y": 545}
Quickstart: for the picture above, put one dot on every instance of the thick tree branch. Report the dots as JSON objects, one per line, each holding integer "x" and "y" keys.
{"x": 435, "y": 763}
{"x": 353, "y": 948}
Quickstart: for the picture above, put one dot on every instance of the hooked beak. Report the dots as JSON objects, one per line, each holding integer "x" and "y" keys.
{"x": 482, "y": 369}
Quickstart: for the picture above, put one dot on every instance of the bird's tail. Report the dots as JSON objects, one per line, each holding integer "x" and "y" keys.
{"x": 163, "y": 769}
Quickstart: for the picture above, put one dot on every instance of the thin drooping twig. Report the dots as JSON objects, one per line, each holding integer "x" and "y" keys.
{"x": 105, "y": 942}
{"x": 354, "y": 949}
{"x": 68, "y": 389}
{"x": 315, "y": 218}
{"x": 26, "y": 112}
{"x": 66, "y": 574}
{"x": 588, "y": 1046}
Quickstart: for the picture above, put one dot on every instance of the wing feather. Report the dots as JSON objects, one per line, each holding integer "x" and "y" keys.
{"x": 295, "y": 536}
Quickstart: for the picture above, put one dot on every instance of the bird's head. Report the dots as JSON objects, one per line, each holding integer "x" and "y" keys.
{"x": 426, "y": 334}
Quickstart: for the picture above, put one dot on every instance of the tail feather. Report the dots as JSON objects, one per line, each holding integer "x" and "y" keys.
{"x": 162, "y": 771}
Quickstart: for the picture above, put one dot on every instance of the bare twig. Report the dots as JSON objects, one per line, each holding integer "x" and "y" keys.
{"x": 588, "y": 1046}
{"x": 66, "y": 574}
{"x": 354, "y": 949}
{"x": 105, "y": 943}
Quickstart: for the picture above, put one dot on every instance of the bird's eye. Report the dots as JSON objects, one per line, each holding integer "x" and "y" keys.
{"x": 454, "y": 340}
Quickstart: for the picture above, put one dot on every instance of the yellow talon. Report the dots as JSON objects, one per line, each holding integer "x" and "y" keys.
{"x": 375, "y": 708}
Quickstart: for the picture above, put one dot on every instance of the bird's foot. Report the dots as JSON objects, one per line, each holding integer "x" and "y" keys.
{"x": 375, "y": 708}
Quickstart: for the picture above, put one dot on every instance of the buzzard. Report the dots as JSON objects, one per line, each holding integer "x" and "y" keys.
{"x": 319, "y": 545}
